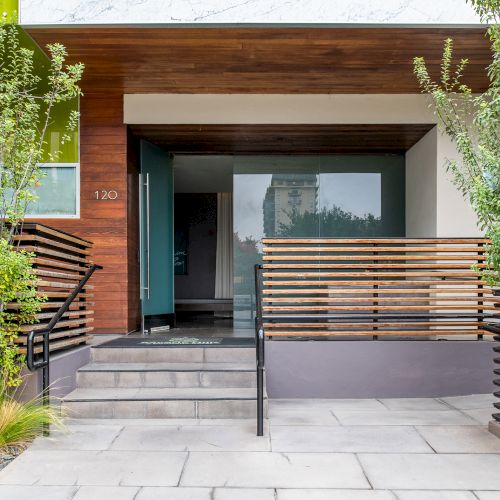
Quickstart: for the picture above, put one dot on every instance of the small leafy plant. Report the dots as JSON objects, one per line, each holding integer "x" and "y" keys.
{"x": 27, "y": 102}
{"x": 473, "y": 122}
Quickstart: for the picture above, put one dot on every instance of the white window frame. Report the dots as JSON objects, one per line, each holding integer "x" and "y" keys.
{"x": 77, "y": 193}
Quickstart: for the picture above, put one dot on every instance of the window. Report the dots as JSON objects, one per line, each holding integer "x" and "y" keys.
{"x": 58, "y": 193}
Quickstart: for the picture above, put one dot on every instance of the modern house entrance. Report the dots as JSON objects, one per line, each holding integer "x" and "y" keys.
{"x": 318, "y": 130}
{"x": 209, "y": 195}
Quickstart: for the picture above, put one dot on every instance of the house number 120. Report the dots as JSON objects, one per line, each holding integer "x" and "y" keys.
{"x": 104, "y": 194}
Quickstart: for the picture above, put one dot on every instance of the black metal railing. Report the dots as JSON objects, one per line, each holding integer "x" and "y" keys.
{"x": 260, "y": 351}
{"x": 495, "y": 329}
{"x": 43, "y": 361}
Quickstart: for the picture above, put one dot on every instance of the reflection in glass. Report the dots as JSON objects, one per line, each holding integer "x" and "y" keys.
{"x": 290, "y": 205}
{"x": 350, "y": 204}
{"x": 310, "y": 196}
{"x": 56, "y": 192}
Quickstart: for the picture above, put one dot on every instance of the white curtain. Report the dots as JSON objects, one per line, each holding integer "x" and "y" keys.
{"x": 224, "y": 256}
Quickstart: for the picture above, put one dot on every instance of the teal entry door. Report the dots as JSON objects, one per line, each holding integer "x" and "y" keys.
{"x": 156, "y": 188}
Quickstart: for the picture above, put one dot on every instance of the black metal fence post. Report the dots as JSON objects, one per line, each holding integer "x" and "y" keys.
{"x": 259, "y": 346}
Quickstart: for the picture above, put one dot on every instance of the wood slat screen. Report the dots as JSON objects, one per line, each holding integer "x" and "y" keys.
{"x": 60, "y": 263}
{"x": 375, "y": 287}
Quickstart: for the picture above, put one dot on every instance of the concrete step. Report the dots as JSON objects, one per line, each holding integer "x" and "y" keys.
{"x": 166, "y": 375}
{"x": 197, "y": 402}
{"x": 172, "y": 354}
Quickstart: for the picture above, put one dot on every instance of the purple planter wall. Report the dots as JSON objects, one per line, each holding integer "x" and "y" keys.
{"x": 378, "y": 369}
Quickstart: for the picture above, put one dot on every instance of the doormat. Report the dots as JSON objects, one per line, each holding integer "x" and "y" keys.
{"x": 179, "y": 342}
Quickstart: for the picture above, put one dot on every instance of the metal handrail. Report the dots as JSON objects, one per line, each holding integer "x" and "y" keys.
{"x": 495, "y": 329}
{"x": 259, "y": 346}
{"x": 44, "y": 362}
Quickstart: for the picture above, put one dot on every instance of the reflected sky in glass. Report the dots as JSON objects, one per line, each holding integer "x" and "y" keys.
{"x": 357, "y": 193}
{"x": 249, "y": 193}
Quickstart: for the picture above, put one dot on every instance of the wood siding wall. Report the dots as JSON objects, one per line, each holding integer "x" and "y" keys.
{"x": 107, "y": 223}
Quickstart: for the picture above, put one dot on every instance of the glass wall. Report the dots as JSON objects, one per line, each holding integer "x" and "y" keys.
{"x": 301, "y": 196}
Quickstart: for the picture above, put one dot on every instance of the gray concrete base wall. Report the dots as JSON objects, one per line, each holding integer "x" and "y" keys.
{"x": 63, "y": 367}
{"x": 378, "y": 369}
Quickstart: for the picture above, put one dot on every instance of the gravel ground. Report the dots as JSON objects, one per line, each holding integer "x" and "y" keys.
{"x": 8, "y": 454}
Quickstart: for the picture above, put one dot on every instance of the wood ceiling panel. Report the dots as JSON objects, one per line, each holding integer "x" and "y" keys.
{"x": 282, "y": 139}
{"x": 263, "y": 60}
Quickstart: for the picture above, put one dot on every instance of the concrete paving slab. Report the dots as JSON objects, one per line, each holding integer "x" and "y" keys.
{"x": 191, "y": 438}
{"x": 330, "y": 404}
{"x": 134, "y": 421}
{"x": 95, "y": 468}
{"x": 432, "y": 472}
{"x": 274, "y": 470}
{"x": 11, "y": 492}
{"x": 451, "y": 417}
{"x": 243, "y": 494}
{"x": 106, "y": 493}
{"x": 434, "y": 495}
{"x": 174, "y": 494}
{"x": 460, "y": 439}
{"x": 481, "y": 415}
{"x": 335, "y": 495}
{"x": 78, "y": 437}
{"x": 379, "y": 439}
{"x": 470, "y": 402}
{"x": 301, "y": 416}
{"x": 414, "y": 404}
{"x": 487, "y": 495}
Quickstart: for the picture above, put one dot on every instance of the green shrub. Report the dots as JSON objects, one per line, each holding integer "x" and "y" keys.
{"x": 19, "y": 303}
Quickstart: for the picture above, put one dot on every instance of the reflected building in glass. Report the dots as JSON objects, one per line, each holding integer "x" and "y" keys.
{"x": 310, "y": 196}
{"x": 289, "y": 196}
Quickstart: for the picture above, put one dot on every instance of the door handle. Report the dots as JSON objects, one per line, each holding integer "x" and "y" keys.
{"x": 145, "y": 238}
{"x": 148, "y": 267}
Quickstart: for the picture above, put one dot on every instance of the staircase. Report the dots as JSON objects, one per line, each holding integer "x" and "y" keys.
{"x": 166, "y": 382}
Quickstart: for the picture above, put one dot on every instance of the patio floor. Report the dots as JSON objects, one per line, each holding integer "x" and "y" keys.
{"x": 406, "y": 449}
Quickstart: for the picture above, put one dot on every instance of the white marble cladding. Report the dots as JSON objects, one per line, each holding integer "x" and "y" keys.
{"x": 40, "y": 12}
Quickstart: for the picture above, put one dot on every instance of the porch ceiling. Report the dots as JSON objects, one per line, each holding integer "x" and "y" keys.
{"x": 276, "y": 139}
{"x": 262, "y": 60}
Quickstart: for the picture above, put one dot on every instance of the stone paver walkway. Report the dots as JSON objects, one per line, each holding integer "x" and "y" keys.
{"x": 398, "y": 449}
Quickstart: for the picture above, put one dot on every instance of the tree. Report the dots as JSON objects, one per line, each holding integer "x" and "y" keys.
{"x": 27, "y": 102}
{"x": 332, "y": 221}
{"x": 472, "y": 122}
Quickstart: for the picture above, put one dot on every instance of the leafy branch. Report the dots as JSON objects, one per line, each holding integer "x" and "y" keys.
{"x": 473, "y": 123}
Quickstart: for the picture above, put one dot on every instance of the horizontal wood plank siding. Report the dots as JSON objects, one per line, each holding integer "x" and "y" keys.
{"x": 103, "y": 165}
{"x": 281, "y": 60}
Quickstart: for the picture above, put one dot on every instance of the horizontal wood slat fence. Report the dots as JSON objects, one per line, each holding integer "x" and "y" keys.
{"x": 61, "y": 261}
{"x": 375, "y": 287}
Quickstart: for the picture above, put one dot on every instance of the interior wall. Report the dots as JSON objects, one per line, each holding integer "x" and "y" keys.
{"x": 196, "y": 213}
{"x": 421, "y": 187}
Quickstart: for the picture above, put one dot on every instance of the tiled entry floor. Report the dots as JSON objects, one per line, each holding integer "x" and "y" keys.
{"x": 406, "y": 449}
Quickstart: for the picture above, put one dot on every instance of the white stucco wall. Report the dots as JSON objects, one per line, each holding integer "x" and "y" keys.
{"x": 434, "y": 206}
{"x": 421, "y": 187}
{"x": 276, "y": 108}
{"x": 454, "y": 214}
{"x": 246, "y": 11}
